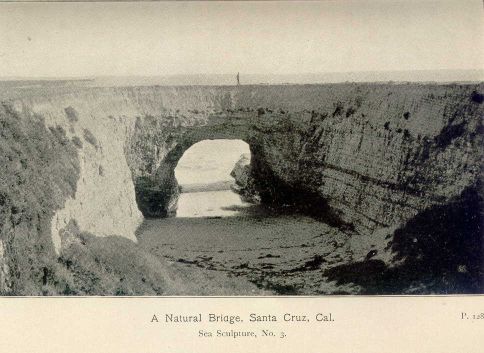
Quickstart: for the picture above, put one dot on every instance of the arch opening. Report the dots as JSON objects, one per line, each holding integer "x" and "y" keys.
{"x": 210, "y": 175}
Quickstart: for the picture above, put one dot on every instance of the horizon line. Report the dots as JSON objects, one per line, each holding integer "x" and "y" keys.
{"x": 87, "y": 77}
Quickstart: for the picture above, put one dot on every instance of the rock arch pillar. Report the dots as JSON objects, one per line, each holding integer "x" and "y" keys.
{"x": 154, "y": 150}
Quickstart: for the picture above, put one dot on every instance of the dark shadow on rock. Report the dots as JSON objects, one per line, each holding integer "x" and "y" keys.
{"x": 299, "y": 195}
{"x": 441, "y": 250}
{"x": 447, "y": 242}
{"x": 154, "y": 199}
{"x": 284, "y": 198}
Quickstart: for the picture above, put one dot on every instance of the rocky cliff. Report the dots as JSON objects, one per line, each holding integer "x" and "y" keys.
{"x": 244, "y": 182}
{"x": 367, "y": 157}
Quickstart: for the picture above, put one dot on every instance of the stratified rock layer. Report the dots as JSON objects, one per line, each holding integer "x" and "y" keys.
{"x": 365, "y": 156}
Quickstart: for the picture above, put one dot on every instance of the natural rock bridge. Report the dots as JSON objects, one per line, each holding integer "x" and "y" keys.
{"x": 162, "y": 147}
{"x": 371, "y": 156}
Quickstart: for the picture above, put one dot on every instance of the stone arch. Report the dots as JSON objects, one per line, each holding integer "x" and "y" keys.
{"x": 157, "y": 189}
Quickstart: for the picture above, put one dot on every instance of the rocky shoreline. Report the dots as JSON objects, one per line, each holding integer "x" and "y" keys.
{"x": 376, "y": 160}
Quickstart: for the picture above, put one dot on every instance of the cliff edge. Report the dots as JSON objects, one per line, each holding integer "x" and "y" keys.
{"x": 369, "y": 158}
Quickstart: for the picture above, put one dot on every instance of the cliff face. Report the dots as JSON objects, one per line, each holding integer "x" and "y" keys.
{"x": 104, "y": 200}
{"x": 376, "y": 155}
{"x": 370, "y": 156}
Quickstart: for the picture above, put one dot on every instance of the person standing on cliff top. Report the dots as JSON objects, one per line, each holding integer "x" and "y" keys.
{"x": 238, "y": 79}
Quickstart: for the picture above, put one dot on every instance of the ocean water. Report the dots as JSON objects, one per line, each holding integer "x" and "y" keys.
{"x": 205, "y": 163}
{"x": 209, "y": 161}
{"x": 475, "y": 75}
{"x": 224, "y": 203}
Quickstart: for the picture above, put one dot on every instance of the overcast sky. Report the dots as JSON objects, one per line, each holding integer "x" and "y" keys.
{"x": 87, "y": 39}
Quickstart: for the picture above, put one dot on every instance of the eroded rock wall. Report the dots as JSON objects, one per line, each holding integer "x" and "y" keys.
{"x": 104, "y": 200}
{"x": 244, "y": 182}
{"x": 372, "y": 155}
{"x": 376, "y": 155}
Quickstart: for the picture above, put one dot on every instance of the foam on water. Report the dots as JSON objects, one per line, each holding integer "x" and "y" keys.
{"x": 209, "y": 161}
{"x": 223, "y": 203}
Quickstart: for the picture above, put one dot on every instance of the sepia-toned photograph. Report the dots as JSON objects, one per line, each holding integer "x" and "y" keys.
{"x": 241, "y": 148}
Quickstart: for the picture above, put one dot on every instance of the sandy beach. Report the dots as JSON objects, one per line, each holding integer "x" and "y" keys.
{"x": 282, "y": 254}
